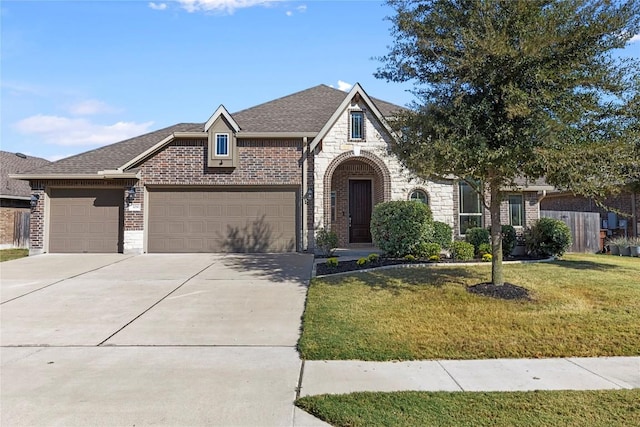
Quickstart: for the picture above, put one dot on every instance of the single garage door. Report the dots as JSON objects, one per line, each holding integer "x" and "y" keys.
{"x": 86, "y": 220}
{"x": 215, "y": 220}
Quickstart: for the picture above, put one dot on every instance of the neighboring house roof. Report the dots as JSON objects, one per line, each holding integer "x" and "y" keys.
{"x": 306, "y": 111}
{"x": 11, "y": 163}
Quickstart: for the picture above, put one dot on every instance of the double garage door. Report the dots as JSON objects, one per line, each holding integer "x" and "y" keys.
{"x": 213, "y": 220}
{"x": 180, "y": 220}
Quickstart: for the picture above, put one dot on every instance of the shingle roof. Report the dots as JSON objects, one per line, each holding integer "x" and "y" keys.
{"x": 15, "y": 163}
{"x": 304, "y": 111}
{"x": 115, "y": 155}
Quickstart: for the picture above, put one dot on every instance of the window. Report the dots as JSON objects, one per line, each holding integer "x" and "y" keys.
{"x": 419, "y": 196}
{"x": 470, "y": 208}
{"x": 357, "y": 125}
{"x": 222, "y": 144}
{"x": 516, "y": 210}
{"x": 333, "y": 206}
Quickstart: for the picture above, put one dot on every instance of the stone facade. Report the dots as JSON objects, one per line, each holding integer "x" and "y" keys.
{"x": 338, "y": 159}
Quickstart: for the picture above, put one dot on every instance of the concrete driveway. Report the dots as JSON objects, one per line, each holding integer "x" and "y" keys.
{"x": 197, "y": 339}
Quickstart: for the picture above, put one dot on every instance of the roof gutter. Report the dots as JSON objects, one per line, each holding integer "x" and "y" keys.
{"x": 99, "y": 175}
{"x": 7, "y": 196}
{"x": 245, "y": 135}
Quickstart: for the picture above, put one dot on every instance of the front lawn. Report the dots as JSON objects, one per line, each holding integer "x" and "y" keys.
{"x": 584, "y": 305}
{"x": 9, "y": 254}
{"x": 540, "y": 408}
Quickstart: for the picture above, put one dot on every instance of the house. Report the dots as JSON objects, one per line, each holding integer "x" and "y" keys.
{"x": 15, "y": 196}
{"x": 620, "y": 217}
{"x": 261, "y": 179}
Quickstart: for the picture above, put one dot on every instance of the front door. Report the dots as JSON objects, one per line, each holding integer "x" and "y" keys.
{"x": 359, "y": 211}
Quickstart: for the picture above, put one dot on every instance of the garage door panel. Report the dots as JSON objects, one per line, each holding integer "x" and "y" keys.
{"x": 86, "y": 220}
{"x": 222, "y": 221}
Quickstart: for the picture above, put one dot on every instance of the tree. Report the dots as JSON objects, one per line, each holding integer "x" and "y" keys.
{"x": 517, "y": 89}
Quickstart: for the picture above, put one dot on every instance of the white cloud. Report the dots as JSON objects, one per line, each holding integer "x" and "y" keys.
{"x": 226, "y": 6}
{"x": 67, "y": 131}
{"x": 300, "y": 9}
{"x": 90, "y": 107}
{"x": 635, "y": 39}
{"x": 344, "y": 86}
{"x": 157, "y": 6}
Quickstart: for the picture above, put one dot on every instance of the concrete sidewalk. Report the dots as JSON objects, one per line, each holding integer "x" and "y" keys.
{"x": 338, "y": 377}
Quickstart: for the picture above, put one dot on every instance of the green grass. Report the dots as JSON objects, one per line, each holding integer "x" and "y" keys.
{"x": 540, "y": 408}
{"x": 9, "y": 254}
{"x": 584, "y": 305}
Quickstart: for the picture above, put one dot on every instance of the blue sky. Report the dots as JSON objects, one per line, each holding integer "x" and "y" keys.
{"x": 76, "y": 75}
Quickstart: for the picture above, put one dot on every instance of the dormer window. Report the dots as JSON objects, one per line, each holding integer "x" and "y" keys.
{"x": 222, "y": 144}
{"x": 356, "y": 125}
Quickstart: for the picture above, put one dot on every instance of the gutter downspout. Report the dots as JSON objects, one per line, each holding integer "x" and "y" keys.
{"x": 303, "y": 191}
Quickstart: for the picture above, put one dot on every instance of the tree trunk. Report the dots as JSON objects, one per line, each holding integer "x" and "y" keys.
{"x": 497, "y": 277}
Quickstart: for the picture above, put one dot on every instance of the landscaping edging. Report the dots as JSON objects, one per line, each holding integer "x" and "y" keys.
{"x": 423, "y": 264}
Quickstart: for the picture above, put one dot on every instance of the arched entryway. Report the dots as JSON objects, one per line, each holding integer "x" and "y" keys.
{"x": 352, "y": 186}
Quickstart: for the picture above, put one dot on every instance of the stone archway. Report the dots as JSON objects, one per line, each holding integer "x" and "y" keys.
{"x": 341, "y": 175}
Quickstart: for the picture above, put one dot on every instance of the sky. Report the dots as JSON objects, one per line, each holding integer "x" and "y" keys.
{"x": 77, "y": 75}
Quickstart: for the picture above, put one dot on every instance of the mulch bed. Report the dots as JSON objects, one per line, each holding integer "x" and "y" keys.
{"x": 508, "y": 291}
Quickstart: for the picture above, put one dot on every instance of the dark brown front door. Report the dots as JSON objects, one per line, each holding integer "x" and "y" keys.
{"x": 360, "y": 211}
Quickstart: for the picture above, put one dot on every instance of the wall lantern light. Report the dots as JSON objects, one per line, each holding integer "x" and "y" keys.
{"x": 308, "y": 195}
{"x": 131, "y": 195}
{"x": 34, "y": 200}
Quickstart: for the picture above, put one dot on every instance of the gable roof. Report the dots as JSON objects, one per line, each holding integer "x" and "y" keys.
{"x": 305, "y": 112}
{"x": 11, "y": 163}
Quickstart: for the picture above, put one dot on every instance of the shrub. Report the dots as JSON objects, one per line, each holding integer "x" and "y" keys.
{"x": 427, "y": 250}
{"x": 477, "y": 236}
{"x": 462, "y": 251}
{"x": 548, "y": 237}
{"x": 509, "y": 240}
{"x": 326, "y": 241}
{"x": 362, "y": 261}
{"x": 400, "y": 227}
{"x": 442, "y": 234}
{"x": 434, "y": 258}
{"x": 487, "y": 257}
{"x": 332, "y": 262}
{"x": 373, "y": 258}
{"x": 484, "y": 248}
{"x": 410, "y": 257}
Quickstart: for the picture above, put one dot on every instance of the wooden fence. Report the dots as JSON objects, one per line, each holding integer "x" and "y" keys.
{"x": 21, "y": 229}
{"x": 585, "y": 229}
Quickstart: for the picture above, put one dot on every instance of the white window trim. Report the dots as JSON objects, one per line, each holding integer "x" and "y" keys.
{"x": 228, "y": 144}
{"x": 523, "y": 218}
{"x": 479, "y": 215}
{"x": 363, "y": 124}
{"x": 421, "y": 190}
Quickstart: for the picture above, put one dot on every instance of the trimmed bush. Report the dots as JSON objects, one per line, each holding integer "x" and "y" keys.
{"x": 548, "y": 237}
{"x": 327, "y": 242}
{"x": 434, "y": 258}
{"x": 487, "y": 257}
{"x": 373, "y": 258}
{"x": 400, "y": 227}
{"x": 462, "y": 251}
{"x": 477, "y": 236}
{"x": 427, "y": 250}
{"x": 484, "y": 248}
{"x": 332, "y": 262}
{"x": 410, "y": 258}
{"x": 509, "y": 240}
{"x": 442, "y": 234}
{"x": 362, "y": 262}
